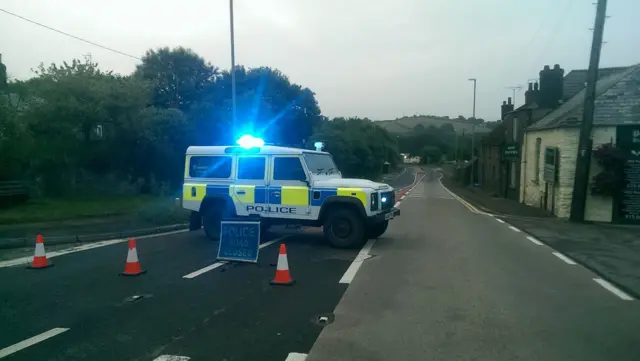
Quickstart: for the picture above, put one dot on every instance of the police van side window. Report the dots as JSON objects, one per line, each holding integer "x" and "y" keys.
{"x": 288, "y": 168}
{"x": 251, "y": 167}
{"x": 210, "y": 167}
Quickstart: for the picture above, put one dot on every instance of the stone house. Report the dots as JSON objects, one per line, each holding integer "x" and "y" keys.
{"x": 499, "y": 154}
{"x": 550, "y": 146}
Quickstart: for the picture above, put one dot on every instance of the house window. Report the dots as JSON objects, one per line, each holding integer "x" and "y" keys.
{"x": 538, "y": 149}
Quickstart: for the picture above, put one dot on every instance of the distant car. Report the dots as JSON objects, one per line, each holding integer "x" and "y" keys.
{"x": 280, "y": 185}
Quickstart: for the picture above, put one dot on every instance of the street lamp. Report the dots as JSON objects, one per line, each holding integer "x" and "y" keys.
{"x": 473, "y": 129}
{"x": 233, "y": 70}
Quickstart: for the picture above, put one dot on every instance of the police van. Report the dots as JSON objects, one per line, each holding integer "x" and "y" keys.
{"x": 281, "y": 185}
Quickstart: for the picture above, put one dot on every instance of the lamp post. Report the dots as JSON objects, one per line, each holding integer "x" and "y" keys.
{"x": 233, "y": 70}
{"x": 473, "y": 130}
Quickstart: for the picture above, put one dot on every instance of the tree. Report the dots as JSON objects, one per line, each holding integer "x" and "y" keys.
{"x": 358, "y": 146}
{"x": 447, "y": 128}
{"x": 180, "y": 77}
{"x": 431, "y": 154}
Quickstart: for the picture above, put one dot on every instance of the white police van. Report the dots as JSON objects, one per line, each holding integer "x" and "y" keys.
{"x": 280, "y": 185}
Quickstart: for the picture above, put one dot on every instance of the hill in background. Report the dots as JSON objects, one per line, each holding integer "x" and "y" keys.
{"x": 460, "y": 124}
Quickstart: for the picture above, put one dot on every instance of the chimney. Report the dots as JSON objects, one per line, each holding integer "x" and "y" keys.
{"x": 535, "y": 93}
{"x": 505, "y": 108}
{"x": 551, "y": 86}
{"x": 528, "y": 95}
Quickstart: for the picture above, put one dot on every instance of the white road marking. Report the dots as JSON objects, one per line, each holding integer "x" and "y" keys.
{"x": 357, "y": 262}
{"x": 294, "y": 356}
{"x": 31, "y": 341}
{"x": 401, "y": 198}
{"x": 499, "y": 220}
{"x": 534, "y": 241}
{"x": 564, "y": 258}
{"x": 84, "y": 247}
{"x": 397, "y": 204}
{"x": 171, "y": 358}
{"x": 514, "y": 229}
{"x": 613, "y": 289}
{"x": 211, "y": 267}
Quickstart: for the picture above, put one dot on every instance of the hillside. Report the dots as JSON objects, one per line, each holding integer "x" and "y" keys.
{"x": 407, "y": 124}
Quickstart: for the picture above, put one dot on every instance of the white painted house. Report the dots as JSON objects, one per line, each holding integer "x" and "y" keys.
{"x": 617, "y": 107}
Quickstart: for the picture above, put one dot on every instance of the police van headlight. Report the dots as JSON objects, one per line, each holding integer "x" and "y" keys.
{"x": 374, "y": 202}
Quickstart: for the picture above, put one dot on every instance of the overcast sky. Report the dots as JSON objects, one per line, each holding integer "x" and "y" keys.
{"x": 380, "y": 59}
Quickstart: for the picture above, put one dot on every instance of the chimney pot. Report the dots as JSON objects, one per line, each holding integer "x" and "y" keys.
{"x": 504, "y": 102}
{"x": 546, "y": 67}
{"x": 530, "y": 86}
{"x": 509, "y": 100}
{"x": 557, "y": 66}
{"x": 535, "y": 86}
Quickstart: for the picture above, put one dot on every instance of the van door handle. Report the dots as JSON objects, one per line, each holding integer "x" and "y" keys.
{"x": 240, "y": 192}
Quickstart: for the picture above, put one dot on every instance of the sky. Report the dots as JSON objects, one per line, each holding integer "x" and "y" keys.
{"x": 380, "y": 59}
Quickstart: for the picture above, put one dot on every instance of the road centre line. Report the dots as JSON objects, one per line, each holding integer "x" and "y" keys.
{"x": 564, "y": 258}
{"x": 294, "y": 356}
{"x": 357, "y": 262}
{"x": 31, "y": 341}
{"x": 84, "y": 247}
{"x": 613, "y": 289}
{"x": 514, "y": 229}
{"x": 499, "y": 220}
{"x": 211, "y": 267}
{"x": 534, "y": 240}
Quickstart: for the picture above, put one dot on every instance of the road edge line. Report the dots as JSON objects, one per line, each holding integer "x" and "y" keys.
{"x": 355, "y": 265}
{"x": 613, "y": 289}
{"x": 295, "y": 356}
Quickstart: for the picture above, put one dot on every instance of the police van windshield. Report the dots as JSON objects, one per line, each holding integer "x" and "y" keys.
{"x": 320, "y": 163}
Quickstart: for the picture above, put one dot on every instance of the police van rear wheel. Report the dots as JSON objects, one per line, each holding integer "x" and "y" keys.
{"x": 344, "y": 228}
{"x": 211, "y": 218}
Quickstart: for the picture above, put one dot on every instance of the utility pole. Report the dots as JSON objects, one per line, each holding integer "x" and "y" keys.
{"x": 514, "y": 88}
{"x": 473, "y": 131}
{"x": 233, "y": 71}
{"x": 583, "y": 160}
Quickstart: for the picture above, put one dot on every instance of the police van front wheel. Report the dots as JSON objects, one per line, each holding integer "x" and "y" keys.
{"x": 344, "y": 228}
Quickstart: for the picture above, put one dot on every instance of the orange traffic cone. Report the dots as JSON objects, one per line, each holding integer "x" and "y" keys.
{"x": 40, "y": 257}
{"x": 283, "y": 276}
{"x": 132, "y": 267}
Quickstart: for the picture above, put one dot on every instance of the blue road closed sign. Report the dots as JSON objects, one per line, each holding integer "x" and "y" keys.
{"x": 239, "y": 241}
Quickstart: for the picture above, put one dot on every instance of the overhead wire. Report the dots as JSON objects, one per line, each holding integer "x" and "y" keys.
{"x": 70, "y": 35}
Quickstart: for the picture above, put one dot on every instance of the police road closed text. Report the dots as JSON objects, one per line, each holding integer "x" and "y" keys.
{"x": 239, "y": 241}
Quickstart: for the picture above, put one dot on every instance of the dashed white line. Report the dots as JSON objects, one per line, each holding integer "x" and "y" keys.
{"x": 564, "y": 258}
{"x": 613, "y": 289}
{"x": 31, "y": 341}
{"x": 514, "y": 229}
{"x": 294, "y": 356}
{"x": 499, "y": 220}
{"x": 357, "y": 262}
{"x": 211, "y": 267}
{"x": 171, "y": 358}
{"x": 534, "y": 241}
{"x": 397, "y": 204}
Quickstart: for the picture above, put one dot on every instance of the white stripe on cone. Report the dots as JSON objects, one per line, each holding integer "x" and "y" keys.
{"x": 132, "y": 255}
{"x": 39, "y": 250}
{"x": 283, "y": 264}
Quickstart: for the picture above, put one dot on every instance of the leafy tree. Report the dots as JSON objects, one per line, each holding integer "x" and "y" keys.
{"x": 180, "y": 77}
{"x": 447, "y": 128}
{"x": 431, "y": 154}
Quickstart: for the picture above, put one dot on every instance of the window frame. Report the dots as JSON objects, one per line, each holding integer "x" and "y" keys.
{"x": 302, "y": 165}
{"x": 265, "y": 175}
{"x": 229, "y": 157}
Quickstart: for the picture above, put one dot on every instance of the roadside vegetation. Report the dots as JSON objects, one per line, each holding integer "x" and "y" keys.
{"x": 91, "y": 143}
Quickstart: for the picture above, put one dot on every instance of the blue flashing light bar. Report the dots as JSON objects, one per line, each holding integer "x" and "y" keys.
{"x": 248, "y": 141}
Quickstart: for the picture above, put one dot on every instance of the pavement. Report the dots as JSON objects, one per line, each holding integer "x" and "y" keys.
{"x": 446, "y": 282}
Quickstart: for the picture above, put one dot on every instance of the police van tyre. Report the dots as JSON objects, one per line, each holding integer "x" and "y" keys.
{"x": 377, "y": 229}
{"x": 211, "y": 218}
{"x": 344, "y": 228}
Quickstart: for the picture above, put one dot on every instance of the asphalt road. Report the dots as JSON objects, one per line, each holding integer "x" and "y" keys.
{"x": 80, "y": 309}
{"x": 446, "y": 283}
